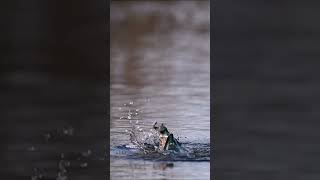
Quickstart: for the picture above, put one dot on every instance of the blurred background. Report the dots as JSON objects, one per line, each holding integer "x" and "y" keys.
{"x": 266, "y": 89}
{"x": 54, "y": 64}
{"x": 160, "y": 67}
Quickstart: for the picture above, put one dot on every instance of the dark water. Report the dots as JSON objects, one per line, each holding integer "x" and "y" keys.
{"x": 160, "y": 70}
{"x": 39, "y": 132}
{"x": 266, "y": 81}
{"x": 266, "y": 85}
{"x": 53, "y": 92}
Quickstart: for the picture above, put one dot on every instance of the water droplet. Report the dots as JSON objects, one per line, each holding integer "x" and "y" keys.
{"x": 84, "y": 165}
{"x": 63, "y": 164}
{"x": 47, "y": 136}
{"x": 137, "y": 110}
{"x": 131, "y": 102}
{"x": 137, "y": 121}
{"x": 62, "y": 176}
{"x": 31, "y": 148}
{"x": 129, "y": 117}
{"x": 87, "y": 153}
{"x": 37, "y": 174}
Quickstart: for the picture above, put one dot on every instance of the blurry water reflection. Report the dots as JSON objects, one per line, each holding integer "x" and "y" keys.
{"x": 160, "y": 62}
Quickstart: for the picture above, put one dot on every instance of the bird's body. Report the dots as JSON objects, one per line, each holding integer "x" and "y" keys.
{"x": 166, "y": 139}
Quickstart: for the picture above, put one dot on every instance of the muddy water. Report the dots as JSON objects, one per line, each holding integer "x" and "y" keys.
{"x": 160, "y": 55}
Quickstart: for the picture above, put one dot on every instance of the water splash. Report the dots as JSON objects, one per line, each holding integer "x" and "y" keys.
{"x": 59, "y": 134}
{"x": 67, "y": 160}
{"x": 37, "y": 174}
{"x": 144, "y": 143}
{"x": 145, "y": 140}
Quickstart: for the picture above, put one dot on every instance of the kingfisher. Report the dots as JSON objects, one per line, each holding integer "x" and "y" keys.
{"x": 166, "y": 139}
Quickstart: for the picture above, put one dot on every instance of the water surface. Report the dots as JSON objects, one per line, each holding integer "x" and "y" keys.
{"x": 160, "y": 70}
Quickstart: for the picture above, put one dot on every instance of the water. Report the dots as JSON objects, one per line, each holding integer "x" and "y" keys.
{"x": 160, "y": 72}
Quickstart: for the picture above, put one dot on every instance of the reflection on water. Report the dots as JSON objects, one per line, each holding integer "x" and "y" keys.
{"x": 138, "y": 169}
{"x": 160, "y": 67}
